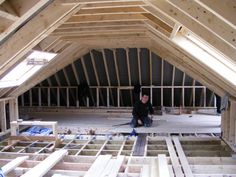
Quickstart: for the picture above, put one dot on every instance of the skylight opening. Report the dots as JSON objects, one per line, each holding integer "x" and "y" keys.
{"x": 201, "y": 52}
{"x": 28, "y": 67}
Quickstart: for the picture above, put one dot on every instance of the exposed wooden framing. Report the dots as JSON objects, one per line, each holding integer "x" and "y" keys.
{"x": 118, "y": 79}
{"x": 174, "y": 159}
{"x": 113, "y": 167}
{"x": 98, "y": 3}
{"x": 172, "y": 89}
{"x": 194, "y": 71}
{"x": 18, "y": 46}
{"x": 68, "y": 83}
{"x": 96, "y": 76}
{"x": 3, "y": 122}
{"x": 224, "y": 10}
{"x": 58, "y": 97}
{"x": 129, "y": 73}
{"x": 163, "y": 169}
{"x": 49, "y": 97}
{"x": 183, "y": 91}
{"x": 110, "y": 10}
{"x": 105, "y": 18}
{"x": 13, "y": 164}
{"x": 108, "y": 78}
{"x": 232, "y": 122}
{"x": 42, "y": 168}
{"x": 175, "y": 30}
{"x": 182, "y": 158}
{"x": 30, "y": 97}
{"x": 208, "y": 19}
{"x": 8, "y": 16}
{"x": 162, "y": 79}
{"x": 40, "y": 96}
{"x": 200, "y": 30}
{"x": 67, "y": 97}
{"x": 49, "y": 93}
{"x": 97, "y": 97}
{"x": 75, "y": 73}
{"x": 58, "y": 63}
{"x": 139, "y": 67}
{"x": 23, "y": 17}
{"x": 13, "y": 108}
{"x": 98, "y": 166}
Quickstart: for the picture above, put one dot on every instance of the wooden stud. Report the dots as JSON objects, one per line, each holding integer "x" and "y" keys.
{"x": 18, "y": 46}
{"x": 3, "y": 116}
{"x": 13, "y": 164}
{"x": 43, "y": 167}
{"x": 182, "y": 158}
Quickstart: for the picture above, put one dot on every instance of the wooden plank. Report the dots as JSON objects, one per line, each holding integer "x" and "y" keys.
{"x": 43, "y": 167}
{"x": 145, "y": 171}
{"x": 232, "y": 122}
{"x": 173, "y": 157}
{"x": 13, "y": 164}
{"x": 98, "y": 166}
{"x": 3, "y": 122}
{"x": 163, "y": 166}
{"x": 113, "y": 167}
{"x": 182, "y": 158}
{"x": 208, "y": 19}
{"x": 8, "y": 16}
{"x": 199, "y": 30}
{"x": 140, "y": 145}
{"x": 25, "y": 16}
{"x": 20, "y": 44}
{"x": 33, "y": 138}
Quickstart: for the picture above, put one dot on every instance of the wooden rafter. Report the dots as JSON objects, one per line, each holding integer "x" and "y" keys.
{"x": 18, "y": 46}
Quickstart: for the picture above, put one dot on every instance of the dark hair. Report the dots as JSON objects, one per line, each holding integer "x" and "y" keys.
{"x": 145, "y": 93}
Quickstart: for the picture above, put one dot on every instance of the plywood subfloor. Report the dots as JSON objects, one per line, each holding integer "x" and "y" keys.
{"x": 185, "y": 123}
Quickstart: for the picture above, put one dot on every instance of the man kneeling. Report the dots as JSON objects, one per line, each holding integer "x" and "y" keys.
{"x": 140, "y": 112}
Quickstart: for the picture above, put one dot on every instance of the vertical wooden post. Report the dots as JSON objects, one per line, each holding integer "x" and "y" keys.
{"x": 58, "y": 96}
{"x": 108, "y": 98}
{"x": 13, "y": 108}
{"x": 232, "y": 122}
{"x": 39, "y": 97}
{"x": 49, "y": 99}
{"x": 118, "y": 97}
{"x": 97, "y": 96}
{"x": 67, "y": 97}
{"x": 3, "y": 116}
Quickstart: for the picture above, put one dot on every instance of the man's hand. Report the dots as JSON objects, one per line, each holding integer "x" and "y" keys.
{"x": 140, "y": 122}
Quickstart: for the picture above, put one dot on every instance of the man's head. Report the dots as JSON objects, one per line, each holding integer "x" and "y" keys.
{"x": 145, "y": 98}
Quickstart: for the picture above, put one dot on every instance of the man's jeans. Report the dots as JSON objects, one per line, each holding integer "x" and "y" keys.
{"x": 146, "y": 121}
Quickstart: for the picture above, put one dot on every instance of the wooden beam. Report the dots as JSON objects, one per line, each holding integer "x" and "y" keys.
{"x": 13, "y": 108}
{"x": 209, "y": 20}
{"x": 187, "y": 62}
{"x": 105, "y": 18}
{"x": 175, "y": 30}
{"x": 163, "y": 166}
{"x": 3, "y": 121}
{"x": 182, "y": 158}
{"x": 180, "y": 17}
{"x": 13, "y": 164}
{"x": 8, "y": 16}
{"x": 110, "y": 10}
{"x": 43, "y": 167}
{"x": 139, "y": 67}
{"x": 20, "y": 44}
{"x": 113, "y": 167}
{"x": 75, "y": 73}
{"x": 223, "y": 9}
{"x": 173, "y": 157}
{"x": 98, "y": 166}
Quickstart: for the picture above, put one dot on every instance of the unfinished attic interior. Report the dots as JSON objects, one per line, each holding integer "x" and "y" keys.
{"x": 72, "y": 70}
